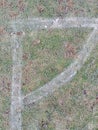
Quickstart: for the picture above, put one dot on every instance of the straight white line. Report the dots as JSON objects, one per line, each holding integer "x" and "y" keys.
{"x": 65, "y": 76}
{"x": 42, "y": 23}
{"x": 16, "y": 101}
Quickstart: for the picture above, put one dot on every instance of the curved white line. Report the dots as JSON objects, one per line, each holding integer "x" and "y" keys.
{"x": 65, "y": 76}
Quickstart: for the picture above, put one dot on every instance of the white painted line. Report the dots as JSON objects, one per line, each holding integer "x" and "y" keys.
{"x": 40, "y": 23}
{"x": 16, "y": 101}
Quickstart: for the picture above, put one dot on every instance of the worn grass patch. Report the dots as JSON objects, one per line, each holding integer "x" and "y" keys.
{"x": 48, "y": 53}
{"x": 73, "y": 107}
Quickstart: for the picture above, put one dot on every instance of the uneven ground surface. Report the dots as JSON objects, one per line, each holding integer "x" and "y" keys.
{"x": 44, "y": 52}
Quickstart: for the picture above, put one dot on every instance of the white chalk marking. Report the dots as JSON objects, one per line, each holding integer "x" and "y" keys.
{"x": 16, "y": 101}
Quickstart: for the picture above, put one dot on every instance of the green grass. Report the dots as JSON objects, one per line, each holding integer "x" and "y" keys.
{"x": 5, "y": 58}
{"x": 53, "y": 9}
{"x": 5, "y": 100}
{"x": 47, "y": 59}
{"x": 69, "y": 107}
{"x": 5, "y": 81}
{"x": 4, "y": 107}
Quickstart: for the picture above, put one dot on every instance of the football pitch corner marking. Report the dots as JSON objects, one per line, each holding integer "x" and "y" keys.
{"x": 66, "y": 76}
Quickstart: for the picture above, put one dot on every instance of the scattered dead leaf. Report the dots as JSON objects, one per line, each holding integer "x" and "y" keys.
{"x": 2, "y": 30}
{"x": 40, "y": 8}
{"x": 13, "y": 14}
{"x": 36, "y": 42}
{"x": 70, "y": 51}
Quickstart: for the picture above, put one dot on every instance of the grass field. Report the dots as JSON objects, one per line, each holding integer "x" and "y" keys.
{"x": 48, "y": 53}
{"x": 5, "y": 82}
{"x": 54, "y": 8}
{"x": 73, "y": 107}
